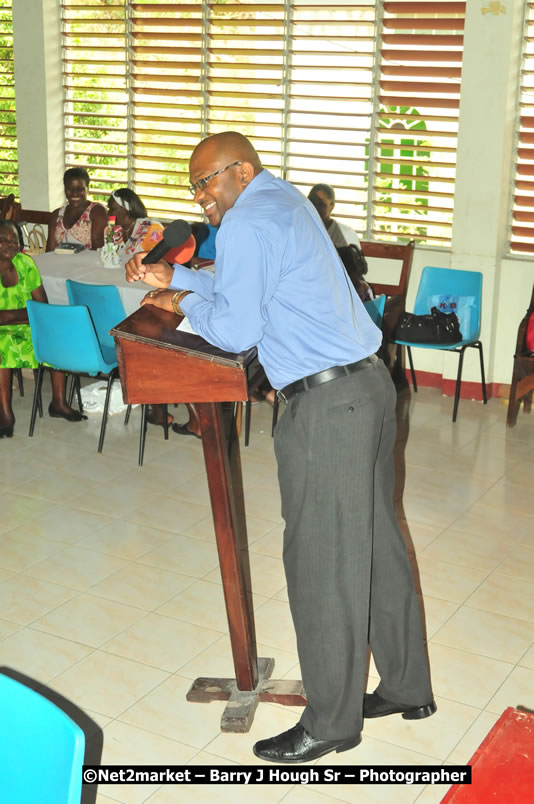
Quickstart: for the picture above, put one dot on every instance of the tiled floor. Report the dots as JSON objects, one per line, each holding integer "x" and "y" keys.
{"x": 110, "y": 591}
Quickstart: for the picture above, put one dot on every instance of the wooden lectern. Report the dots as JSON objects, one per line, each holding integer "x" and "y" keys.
{"x": 158, "y": 364}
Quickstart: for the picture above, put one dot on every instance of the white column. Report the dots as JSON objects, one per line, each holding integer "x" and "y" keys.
{"x": 485, "y": 156}
{"x": 39, "y": 102}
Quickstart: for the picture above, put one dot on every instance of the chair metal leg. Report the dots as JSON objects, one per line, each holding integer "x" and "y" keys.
{"x": 142, "y": 435}
{"x": 165, "y": 422}
{"x": 76, "y": 380}
{"x": 275, "y": 413}
{"x": 70, "y": 395}
{"x": 458, "y": 383}
{"x": 412, "y": 370}
{"x": 478, "y": 345}
{"x": 248, "y": 407}
{"x": 127, "y": 417}
{"x": 39, "y": 400}
{"x": 75, "y": 388}
{"x": 20, "y": 380}
{"x": 36, "y": 397}
{"x": 111, "y": 377}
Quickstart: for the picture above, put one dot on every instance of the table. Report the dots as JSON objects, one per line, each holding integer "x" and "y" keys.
{"x": 85, "y": 267}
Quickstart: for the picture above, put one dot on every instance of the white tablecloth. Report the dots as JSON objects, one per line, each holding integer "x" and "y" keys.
{"x": 85, "y": 267}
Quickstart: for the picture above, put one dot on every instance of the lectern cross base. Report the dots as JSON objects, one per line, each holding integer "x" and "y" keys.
{"x": 239, "y": 713}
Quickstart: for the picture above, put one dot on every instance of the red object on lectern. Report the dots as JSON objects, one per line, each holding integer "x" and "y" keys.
{"x": 158, "y": 364}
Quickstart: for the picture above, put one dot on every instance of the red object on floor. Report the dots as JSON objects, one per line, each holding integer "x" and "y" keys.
{"x": 503, "y": 765}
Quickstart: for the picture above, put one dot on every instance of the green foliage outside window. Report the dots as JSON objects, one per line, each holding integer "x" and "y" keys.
{"x": 8, "y": 122}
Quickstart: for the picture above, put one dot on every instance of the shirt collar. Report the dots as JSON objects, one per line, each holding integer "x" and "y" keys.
{"x": 255, "y": 185}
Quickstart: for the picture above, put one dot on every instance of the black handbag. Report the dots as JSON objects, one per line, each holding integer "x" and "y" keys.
{"x": 436, "y": 327}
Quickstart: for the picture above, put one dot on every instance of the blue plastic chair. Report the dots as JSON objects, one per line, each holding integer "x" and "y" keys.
{"x": 64, "y": 338}
{"x": 42, "y": 749}
{"x": 375, "y": 307}
{"x": 107, "y": 310}
{"x": 464, "y": 288}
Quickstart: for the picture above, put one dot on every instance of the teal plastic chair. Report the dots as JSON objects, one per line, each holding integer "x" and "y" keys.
{"x": 64, "y": 338}
{"x": 375, "y": 307}
{"x": 107, "y": 310}
{"x": 41, "y": 748}
{"x": 460, "y": 291}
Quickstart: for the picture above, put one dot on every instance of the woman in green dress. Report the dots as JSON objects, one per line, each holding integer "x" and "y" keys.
{"x": 19, "y": 281}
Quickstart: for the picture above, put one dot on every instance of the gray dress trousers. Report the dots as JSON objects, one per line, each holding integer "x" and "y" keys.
{"x": 349, "y": 578}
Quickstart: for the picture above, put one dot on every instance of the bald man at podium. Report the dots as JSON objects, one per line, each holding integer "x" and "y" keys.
{"x": 280, "y": 285}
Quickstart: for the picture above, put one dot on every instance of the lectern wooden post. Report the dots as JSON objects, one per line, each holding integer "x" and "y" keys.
{"x": 158, "y": 364}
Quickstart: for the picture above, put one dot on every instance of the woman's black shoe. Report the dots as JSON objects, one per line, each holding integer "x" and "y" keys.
{"x": 73, "y": 416}
{"x": 7, "y": 431}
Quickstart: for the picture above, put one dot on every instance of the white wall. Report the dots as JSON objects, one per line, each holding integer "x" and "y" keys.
{"x": 492, "y": 49}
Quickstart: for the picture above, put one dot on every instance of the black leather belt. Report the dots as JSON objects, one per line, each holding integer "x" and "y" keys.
{"x": 299, "y": 386}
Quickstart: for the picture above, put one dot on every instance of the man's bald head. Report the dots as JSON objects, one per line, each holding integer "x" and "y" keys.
{"x": 229, "y": 146}
{"x": 221, "y": 167}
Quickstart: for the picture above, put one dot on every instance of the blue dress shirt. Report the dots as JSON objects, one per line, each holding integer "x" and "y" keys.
{"x": 278, "y": 285}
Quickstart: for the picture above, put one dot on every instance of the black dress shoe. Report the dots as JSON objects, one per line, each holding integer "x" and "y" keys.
{"x": 73, "y": 416}
{"x": 7, "y": 431}
{"x": 375, "y": 706}
{"x": 297, "y": 745}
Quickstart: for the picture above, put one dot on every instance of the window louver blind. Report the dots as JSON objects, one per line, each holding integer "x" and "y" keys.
{"x": 522, "y": 228}
{"x": 8, "y": 123}
{"x": 361, "y": 95}
{"x": 416, "y": 121}
{"x": 247, "y": 72}
{"x": 95, "y": 60}
{"x": 168, "y": 95}
{"x": 330, "y": 104}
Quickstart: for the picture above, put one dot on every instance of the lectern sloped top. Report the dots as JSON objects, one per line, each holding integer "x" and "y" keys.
{"x": 160, "y": 364}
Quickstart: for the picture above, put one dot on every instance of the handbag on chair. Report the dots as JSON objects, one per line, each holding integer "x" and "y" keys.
{"x": 36, "y": 240}
{"x": 435, "y": 327}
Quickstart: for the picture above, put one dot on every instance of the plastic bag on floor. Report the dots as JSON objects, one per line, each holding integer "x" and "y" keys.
{"x": 94, "y": 396}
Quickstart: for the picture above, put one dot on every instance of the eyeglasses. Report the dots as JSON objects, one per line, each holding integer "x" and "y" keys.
{"x": 201, "y": 183}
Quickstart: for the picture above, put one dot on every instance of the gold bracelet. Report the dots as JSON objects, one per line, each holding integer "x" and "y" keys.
{"x": 176, "y": 298}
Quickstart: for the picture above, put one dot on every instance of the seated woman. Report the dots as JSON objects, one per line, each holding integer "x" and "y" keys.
{"x": 356, "y": 267}
{"x": 79, "y": 220}
{"x": 135, "y": 231}
{"x": 19, "y": 281}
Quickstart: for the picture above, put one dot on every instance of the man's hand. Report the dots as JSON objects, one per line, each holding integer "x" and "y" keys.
{"x": 158, "y": 275}
{"x": 159, "y": 298}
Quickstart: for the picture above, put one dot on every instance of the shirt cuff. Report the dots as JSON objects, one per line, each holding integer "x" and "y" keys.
{"x": 181, "y": 278}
